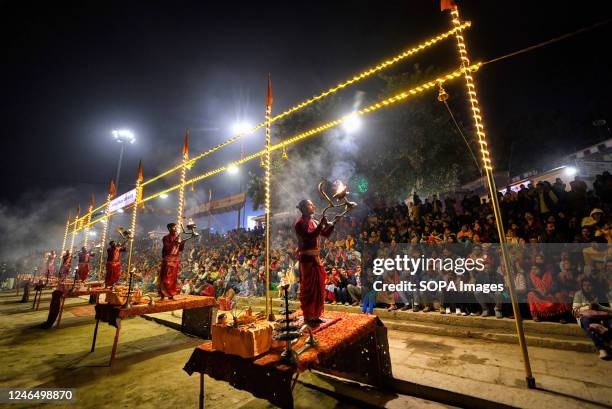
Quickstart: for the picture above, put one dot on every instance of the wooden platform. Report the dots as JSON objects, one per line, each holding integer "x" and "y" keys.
{"x": 114, "y": 314}
{"x": 355, "y": 348}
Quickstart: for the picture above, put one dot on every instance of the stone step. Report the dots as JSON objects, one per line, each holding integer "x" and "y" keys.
{"x": 564, "y": 342}
{"x": 542, "y": 334}
{"x": 531, "y": 327}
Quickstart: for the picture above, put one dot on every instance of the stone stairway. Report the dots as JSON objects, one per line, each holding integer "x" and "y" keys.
{"x": 541, "y": 334}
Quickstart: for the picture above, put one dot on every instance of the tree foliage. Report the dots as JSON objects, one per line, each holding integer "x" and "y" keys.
{"x": 413, "y": 145}
{"x": 419, "y": 148}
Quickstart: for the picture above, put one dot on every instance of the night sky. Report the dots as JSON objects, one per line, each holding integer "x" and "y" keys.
{"x": 72, "y": 72}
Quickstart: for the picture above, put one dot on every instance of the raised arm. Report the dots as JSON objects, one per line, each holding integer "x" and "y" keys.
{"x": 326, "y": 228}
{"x": 309, "y": 230}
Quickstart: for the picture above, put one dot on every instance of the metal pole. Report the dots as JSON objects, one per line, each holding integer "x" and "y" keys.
{"x": 103, "y": 238}
{"x": 243, "y": 207}
{"x": 239, "y": 191}
{"x": 110, "y": 220}
{"x": 119, "y": 166}
{"x": 488, "y": 168}
{"x": 244, "y": 213}
{"x": 209, "y": 213}
{"x": 133, "y": 222}
{"x": 267, "y": 197}
{"x": 181, "y": 194}
{"x": 65, "y": 233}
{"x": 87, "y": 221}
{"x": 74, "y": 233}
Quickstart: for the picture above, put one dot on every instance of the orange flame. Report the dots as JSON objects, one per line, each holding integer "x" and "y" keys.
{"x": 341, "y": 190}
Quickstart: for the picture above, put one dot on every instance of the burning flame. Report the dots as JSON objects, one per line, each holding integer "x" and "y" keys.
{"x": 341, "y": 190}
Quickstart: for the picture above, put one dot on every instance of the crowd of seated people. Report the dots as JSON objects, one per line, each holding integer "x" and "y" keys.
{"x": 558, "y": 240}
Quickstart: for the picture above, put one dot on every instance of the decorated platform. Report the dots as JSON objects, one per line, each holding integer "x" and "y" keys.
{"x": 109, "y": 313}
{"x": 58, "y": 298}
{"x": 353, "y": 346}
{"x": 200, "y": 305}
{"x": 54, "y": 283}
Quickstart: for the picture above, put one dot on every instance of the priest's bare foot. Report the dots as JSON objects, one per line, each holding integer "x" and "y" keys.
{"x": 314, "y": 322}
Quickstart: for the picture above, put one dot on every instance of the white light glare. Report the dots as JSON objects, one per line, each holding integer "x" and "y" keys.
{"x": 163, "y": 196}
{"x": 570, "y": 171}
{"x": 119, "y": 210}
{"x": 232, "y": 169}
{"x": 241, "y": 128}
{"x": 124, "y": 135}
{"x": 351, "y": 123}
{"x": 92, "y": 233}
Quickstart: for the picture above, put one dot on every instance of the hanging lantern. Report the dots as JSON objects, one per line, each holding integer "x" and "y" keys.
{"x": 261, "y": 162}
{"x": 192, "y": 188}
{"x": 284, "y": 155}
{"x": 442, "y": 95}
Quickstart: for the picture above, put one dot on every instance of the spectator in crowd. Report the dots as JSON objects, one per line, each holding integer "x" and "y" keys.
{"x": 594, "y": 318}
{"x": 544, "y": 300}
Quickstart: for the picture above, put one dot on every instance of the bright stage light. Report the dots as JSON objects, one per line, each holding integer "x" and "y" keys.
{"x": 119, "y": 210}
{"x": 93, "y": 233}
{"x": 242, "y": 127}
{"x": 233, "y": 169}
{"x": 351, "y": 123}
{"x": 163, "y": 196}
{"x": 124, "y": 135}
{"x": 570, "y": 171}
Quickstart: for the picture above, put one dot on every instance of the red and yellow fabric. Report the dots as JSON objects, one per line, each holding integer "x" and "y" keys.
{"x": 109, "y": 313}
{"x": 168, "y": 274}
{"x": 355, "y": 346}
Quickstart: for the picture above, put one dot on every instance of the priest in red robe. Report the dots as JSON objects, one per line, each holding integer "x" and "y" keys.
{"x": 172, "y": 246}
{"x": 113, "y": 263}
{"x": 312, "y": 273}
{"x": 84, "y": 257}
{"x": 50, "y": 264}
{"x": 66, "y": 262}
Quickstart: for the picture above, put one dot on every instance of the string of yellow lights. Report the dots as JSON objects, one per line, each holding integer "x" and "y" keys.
{"x": 133, "y": 221}
{"x": 86, "y": 215}
{"x": 65, "y": 234}
{"x": 359, "y": 77}
{"x": 87, "y": 221}
{"x": 181, "y": 195}
{"x": 267, "y": 175}
{"x": 103, "y": 238}
{"x": 482, "y": 138}
{"x": 75, "y": 230}
{"x": 488, "y": 168}
{"x": 314, "y": 131}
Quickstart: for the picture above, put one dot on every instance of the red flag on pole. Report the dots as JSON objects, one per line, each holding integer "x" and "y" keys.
{"x": 186, "y": 142}
{"x": 447, "y": 5}
{"x": 112, "y": 190}
{"x": 140, "y": 178}
{"x": 269, "y": 97}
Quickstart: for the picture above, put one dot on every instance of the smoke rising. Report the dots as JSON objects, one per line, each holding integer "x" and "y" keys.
{"x": 35, "y": 221}
{"x": 334, "y": 159}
